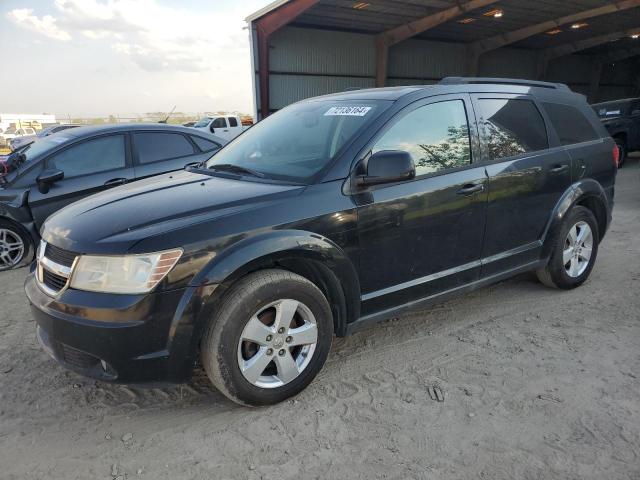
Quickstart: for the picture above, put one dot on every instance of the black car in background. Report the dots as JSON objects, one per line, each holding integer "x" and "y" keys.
{"x": 621, "y": 118}
{"x": 64, "y": 167}
{"x": 328, "y": 215}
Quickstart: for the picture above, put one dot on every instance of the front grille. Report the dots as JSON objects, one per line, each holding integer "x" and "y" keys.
{"x": 76, "y": 358}
{"x": 58, "y": 255}
{"x": 53, "y": 281}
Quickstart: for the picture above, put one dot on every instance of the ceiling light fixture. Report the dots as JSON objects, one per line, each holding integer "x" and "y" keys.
{"x": 360, "y": 5}
{"x": 495, "y": 13}
{"x": 554, "y": 31}
{"x": 578, "y": 26}
{"x": 466, "y": 21}
{"x": 635, "y": 36}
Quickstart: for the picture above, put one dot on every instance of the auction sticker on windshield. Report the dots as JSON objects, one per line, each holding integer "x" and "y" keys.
{"x": 347, "y": 111}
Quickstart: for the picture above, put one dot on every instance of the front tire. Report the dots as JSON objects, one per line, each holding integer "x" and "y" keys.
{"x": 16, "y": 248}
{"x": 270, "y": 338}
{"x": 573, "y": 251}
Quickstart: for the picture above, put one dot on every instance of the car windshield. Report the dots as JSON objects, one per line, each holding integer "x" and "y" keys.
{"x": 35, "y": 149}
{"x": 203, "y": 122}
{"x": 610, "y": 109}
{"x": 297, "y": 142}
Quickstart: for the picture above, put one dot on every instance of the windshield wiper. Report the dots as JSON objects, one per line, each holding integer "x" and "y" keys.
{"x": 229, "y": 167}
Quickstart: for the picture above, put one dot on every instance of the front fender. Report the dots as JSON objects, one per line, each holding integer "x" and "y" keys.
{"x": 250, "y": 254}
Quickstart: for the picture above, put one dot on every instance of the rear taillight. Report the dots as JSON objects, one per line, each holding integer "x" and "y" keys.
{"x": 616, "y": 155}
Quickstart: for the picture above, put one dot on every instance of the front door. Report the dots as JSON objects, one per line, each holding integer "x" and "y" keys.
{"x": 89, "y": 166}
{"x": 422, "y": 237}
{"x": 527, "y": 176}
{"x": 220, "y": 128}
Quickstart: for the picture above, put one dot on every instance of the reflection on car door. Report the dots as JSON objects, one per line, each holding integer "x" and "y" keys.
{"x": 89, "y": 166}
{"x": 160, "y": 152}
{"x": 526, "y": 179}
{"x": 422, "y": 237}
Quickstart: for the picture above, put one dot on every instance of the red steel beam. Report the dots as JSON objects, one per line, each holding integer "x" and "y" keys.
{"x": 265, "y": 27}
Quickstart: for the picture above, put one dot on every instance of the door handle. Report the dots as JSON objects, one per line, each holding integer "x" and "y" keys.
{"x": 115, "y": 181}
{"x": 471, "y": 188}
{"x": 559, "y": 168}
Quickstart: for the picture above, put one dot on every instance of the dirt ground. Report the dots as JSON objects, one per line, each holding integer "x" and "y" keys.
{"x": 515, "y": 381}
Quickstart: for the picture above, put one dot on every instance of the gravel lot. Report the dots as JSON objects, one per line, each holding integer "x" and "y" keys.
{"x": 515, "y": 381}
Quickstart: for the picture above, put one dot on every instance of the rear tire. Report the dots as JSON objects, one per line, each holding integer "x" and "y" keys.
{"x": 574, "y": 250}
{"x": 269, "y": 339}
{"x": 16, "y": 247}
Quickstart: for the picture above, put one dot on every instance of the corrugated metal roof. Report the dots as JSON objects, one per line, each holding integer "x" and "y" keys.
{"x": 381, "y": 15}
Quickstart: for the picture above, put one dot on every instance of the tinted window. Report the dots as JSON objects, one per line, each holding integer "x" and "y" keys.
{"x": 232, "y": 122}
{"x": 93, "y": 156}
{"x": 570, "y": 124}
{"x": 512, "y": 127}
{"x": 219, "y": 123}
{"x": 436, "y": 136}
{"x": 157, "y": 146}
{"x": 204, "y": 144}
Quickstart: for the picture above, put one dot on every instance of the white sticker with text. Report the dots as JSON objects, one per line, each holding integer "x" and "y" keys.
{"x": 347, "y": 111}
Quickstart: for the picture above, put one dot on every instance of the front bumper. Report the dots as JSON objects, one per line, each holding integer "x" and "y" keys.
{"x": 117, "y": 338}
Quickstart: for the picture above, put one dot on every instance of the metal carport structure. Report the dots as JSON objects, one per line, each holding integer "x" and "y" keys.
{"x": 303, "y": 48}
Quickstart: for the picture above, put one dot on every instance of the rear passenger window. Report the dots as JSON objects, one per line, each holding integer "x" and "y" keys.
{"x": 570, "y": 124}
{"x": 232, "y": 122}
{"x": 436, "y": 136}
{"x": 204, "y": 144}
{"x": 157, "y": 146}
{"x": 512, "y": 127}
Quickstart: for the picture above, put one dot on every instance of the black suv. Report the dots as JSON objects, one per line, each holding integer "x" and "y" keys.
{"x": 621, "y": 118}
{"x": 54, "y": 171}
{"x": 331, "y": 214}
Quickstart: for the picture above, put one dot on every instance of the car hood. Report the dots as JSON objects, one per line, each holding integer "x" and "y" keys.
{"x": 114, "y": 220}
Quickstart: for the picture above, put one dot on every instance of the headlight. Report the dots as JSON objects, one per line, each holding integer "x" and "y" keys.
{"x": 123, "y": 274}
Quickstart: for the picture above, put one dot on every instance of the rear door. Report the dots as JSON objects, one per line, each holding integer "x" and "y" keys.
{"x": 89, "y": 166}
{"x": 424, "y": 236}
{"x": 527, "y": 175}
{"x": 159, "y": 152}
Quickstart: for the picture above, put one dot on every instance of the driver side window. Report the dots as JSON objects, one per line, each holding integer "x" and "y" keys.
{"x": 436, "y": 136}
{"x": 219, "y": 123}
{"x": 93, "y": 156}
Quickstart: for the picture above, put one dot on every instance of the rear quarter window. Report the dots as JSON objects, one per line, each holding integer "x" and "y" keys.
{"x": 511, "y": 127}
{"x": 570, "y": 124}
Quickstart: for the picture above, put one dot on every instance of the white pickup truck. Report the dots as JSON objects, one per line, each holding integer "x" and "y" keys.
{"x": 225, "y": 126}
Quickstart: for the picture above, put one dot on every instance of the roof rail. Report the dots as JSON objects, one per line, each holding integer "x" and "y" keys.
{"x": 502, "y": 81}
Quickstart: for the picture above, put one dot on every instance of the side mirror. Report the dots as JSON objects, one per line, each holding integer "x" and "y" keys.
{"x": 48, "y": 177}
{"x": 211, "y": 129}
{"x": 387, "y": 166}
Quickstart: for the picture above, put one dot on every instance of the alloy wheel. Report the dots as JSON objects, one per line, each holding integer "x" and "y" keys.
{"x": 277, "y": 343}
{"x": 578, "y": 247}
{"x": 11, "y": 249}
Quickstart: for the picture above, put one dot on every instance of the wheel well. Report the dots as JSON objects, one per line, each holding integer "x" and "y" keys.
{"x": 599, "y": 211}
{"x": 314, "y": 271}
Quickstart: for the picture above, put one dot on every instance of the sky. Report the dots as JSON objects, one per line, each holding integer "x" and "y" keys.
{"x": 86, "y": 58}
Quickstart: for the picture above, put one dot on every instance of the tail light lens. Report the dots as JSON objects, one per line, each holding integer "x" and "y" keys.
{"x": 616, "y": 155}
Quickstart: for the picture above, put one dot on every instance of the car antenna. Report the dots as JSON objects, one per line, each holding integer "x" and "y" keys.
{"x": 167, "y": 118}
